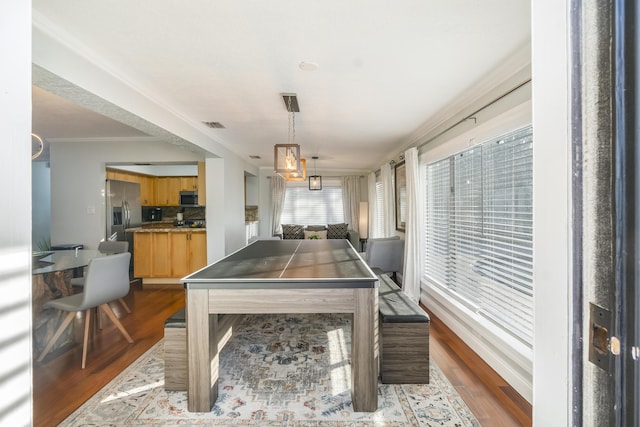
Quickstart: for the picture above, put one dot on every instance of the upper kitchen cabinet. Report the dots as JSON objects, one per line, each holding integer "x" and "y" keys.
{"x": 147, "y": 184}
{"x": 148, "y": 191}
{"x": 188, "y": 183}
{"x": 162, "y": 190}
{"x": 168, "y": 190}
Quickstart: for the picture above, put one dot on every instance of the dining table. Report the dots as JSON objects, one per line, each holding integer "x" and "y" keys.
{"x": 52, "y": 272}
{"x": 283, "y": 276}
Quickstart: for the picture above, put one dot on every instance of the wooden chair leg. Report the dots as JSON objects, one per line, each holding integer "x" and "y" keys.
{"x": 112, "y": 316}
{"x": 98, "y": 318}
{"x": 67, "y": 320}
{"x": 85, "y": 342}
{"x": 124, "y": 304}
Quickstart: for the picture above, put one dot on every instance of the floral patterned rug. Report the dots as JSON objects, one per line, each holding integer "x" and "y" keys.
{"x": 277, "y": 370}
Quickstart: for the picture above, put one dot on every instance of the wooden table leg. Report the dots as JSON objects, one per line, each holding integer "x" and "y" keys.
{"x": 364, "y": 351}
{"x": 202, "y": 352}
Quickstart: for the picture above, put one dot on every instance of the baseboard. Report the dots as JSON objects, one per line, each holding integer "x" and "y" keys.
{"x": 162, "y": 283}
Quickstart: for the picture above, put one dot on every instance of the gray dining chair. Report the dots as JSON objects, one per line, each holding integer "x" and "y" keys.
{"x": 107, "y": 247}
{"x": 107, "y": 279}
{"x": 386, "y": 254}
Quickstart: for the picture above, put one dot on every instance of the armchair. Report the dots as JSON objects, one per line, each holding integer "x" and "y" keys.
{"x": 386, "y": 254}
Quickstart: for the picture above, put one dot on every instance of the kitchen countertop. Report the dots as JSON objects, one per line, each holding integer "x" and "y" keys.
{"x": 164, "y": 228}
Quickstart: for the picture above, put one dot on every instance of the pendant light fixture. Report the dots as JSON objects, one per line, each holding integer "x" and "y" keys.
{"x": 37, "y": 146}
{"x": 315, "y": 181}
{"x": 294, "y": 176}
{"x": 286, "y": 157}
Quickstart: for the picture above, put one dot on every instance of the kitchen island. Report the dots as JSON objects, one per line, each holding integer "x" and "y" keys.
{"x": 163, "y": 253}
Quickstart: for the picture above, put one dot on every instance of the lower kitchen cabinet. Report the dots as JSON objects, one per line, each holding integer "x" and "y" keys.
{"x": 167, "y": 256}
{"x": 188, "y": 252}
{"x": 197, "y": 251}
{"x": 143, "y": 247}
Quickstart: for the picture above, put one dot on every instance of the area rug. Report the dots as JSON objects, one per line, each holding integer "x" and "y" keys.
{"x": 277, "y": 370}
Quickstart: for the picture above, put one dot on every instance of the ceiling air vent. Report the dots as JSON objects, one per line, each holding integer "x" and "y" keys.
{"x": 214, "y": 125}
{"x": 291, "y": 99}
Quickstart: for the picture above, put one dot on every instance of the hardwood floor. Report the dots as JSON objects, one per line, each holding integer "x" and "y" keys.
{"x": 60, "y": 386}
{"x": 492, "y": 400}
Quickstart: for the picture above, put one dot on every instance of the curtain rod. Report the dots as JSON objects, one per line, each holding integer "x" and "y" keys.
{"x": 509, "y": 92}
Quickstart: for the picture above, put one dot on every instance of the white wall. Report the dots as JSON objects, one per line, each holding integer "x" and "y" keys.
{"x": 552, "y": 252}
{"x": 215, "y": 214}
{"x": 78, "y": 205}
{"x": 235, "y": 231}
{"x": 264, "y": 201}
{"x": 15, "y": 217}
{"x": 251, "y": 190}
{"x": 41, "y": 204}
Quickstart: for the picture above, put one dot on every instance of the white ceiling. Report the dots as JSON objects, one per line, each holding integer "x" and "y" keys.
{"x": 385, "y": 67}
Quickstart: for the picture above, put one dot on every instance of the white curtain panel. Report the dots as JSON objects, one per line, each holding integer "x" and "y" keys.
{"x": 414, "y": 228}
{"x": 389, "y": 202}
{"x": 278, "y": 190}
{"x": 351, "y": 200}
{"x": 373, "y": 208}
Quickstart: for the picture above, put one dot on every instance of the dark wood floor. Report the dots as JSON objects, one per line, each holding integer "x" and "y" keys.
{"x": 60, "y": 386}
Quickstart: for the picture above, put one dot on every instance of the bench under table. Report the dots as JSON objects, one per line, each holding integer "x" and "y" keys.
{"x": 404, "y": 336}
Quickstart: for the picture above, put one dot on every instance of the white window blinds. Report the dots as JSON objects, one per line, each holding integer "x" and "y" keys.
{"x": 318, "y": 207}
{"x": 479, "y": 229}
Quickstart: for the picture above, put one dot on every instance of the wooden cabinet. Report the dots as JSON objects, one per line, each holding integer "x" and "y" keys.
{"x": 163, "y": 190}
{"x": 197, "y": 250}
{"x": 202, "y": 188}
{"x": 169, "y": 254}
{"x": 188, "y": 183}
{"x": 147, "y": 184}
{"x": 148, "y": 191}
{"x": 168, "y": 191}
{"x": 188, "y": 252}
{"x": 179, "y": 254}
{"x": 152, "y": 255}
{"x": 143, "y": 247}
{"x": 123, "y": 175}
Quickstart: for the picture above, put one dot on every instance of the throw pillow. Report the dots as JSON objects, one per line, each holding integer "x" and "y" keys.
{"x": 337, "y": 231}
{"x": 316, "y": 228}
{"x": 292, "y": 231}
{"x": 315, "y": 234}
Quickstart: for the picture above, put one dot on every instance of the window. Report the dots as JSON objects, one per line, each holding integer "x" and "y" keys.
{"x": 479, "y": 230}
{"x": 302, "y": 206}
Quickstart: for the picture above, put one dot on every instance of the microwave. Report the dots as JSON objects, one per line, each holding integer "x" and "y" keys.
{"x": 188, "y": 198}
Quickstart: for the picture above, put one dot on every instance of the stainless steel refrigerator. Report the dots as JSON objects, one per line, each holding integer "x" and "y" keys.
{"x": 123, "y": 210}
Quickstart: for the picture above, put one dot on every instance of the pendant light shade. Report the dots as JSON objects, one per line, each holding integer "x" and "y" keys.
{"x": 315, "y": 181}
{"x": 294, "y": 176}
{"x": 286, "y": 158}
